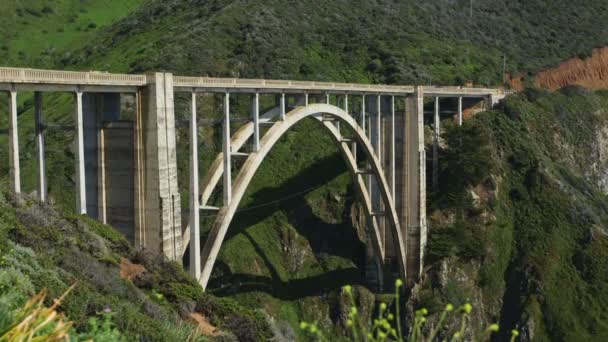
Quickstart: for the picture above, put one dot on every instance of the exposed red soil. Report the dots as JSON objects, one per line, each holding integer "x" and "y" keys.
{"x": 204, "y": 326}
{"x": 129, "y": 270}
{"x": 591, "y": 73}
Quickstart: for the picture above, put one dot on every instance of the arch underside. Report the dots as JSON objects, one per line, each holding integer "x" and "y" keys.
{"x": 327, "y": 114}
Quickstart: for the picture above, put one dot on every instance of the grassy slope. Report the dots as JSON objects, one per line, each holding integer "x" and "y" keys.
{"x": 53, "y": 250}
{"x": 539, "y": 251}
{"x": 35, "y": 33}
{"x": 380, "y": 41}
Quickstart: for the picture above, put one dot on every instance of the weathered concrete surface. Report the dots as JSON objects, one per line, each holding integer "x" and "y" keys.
{"x": 118, "y": 170}
{"x": 414, "y": 190}
{"x": 96, "y": 109}
{"x": 158, "y": 225}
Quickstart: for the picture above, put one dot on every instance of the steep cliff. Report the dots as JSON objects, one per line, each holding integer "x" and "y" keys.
{"x": 523, "y": 236}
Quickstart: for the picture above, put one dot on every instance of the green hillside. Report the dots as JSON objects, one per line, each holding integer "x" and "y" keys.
{"x": 37, "y": 33}
{"x": 384, "y": 41}
{"x": 308, "y": 212}
{"x": 523, "y": 233}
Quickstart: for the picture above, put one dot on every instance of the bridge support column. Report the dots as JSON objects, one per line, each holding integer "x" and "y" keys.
{"x": 97, "y": 109}
{"x": 387, "y": 160}
{"x": 373, "y": 270}
{"x": 227, "y": 151}
{"x": 81, "y": 194}
{"x": 13, "y": 143}
{"x": 492, "y": 100}
{"x": 460, "y": 111}
{"x": 39, "y": 131}
{"x": 158, "y": 200}
{"x": 363, "y": 119}
{"x": 353, "y": 146}
{"x": 255, "y": 109}
{"x": 436, "y": 132}
{"x": 392, "y": 148}
{"x": 410, "y": 191}
{"x": 195, "y": 206}
{"x": 282, "y": 106}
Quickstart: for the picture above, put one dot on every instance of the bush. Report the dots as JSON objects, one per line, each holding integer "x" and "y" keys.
{"x": 388, "y": 326}
{"x": 47, "y": 10}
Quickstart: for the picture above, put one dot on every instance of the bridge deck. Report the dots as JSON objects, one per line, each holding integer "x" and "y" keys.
{"x": 95, "y": 81}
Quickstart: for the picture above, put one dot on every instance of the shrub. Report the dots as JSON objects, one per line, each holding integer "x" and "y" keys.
{"x": 388, "y": 325}
{"x": 47, "y": 10}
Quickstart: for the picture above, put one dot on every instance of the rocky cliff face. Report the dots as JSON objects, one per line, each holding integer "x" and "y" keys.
{"x": 525, "y": 240}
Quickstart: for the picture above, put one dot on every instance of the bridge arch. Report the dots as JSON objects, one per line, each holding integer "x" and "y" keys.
{"x": 322, "y": 112}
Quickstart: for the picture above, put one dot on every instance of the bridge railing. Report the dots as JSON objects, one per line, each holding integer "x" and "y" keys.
{"x": 15, "y": 75}
{"x": 96, "y": 78}
{"x": 212, "y": 82}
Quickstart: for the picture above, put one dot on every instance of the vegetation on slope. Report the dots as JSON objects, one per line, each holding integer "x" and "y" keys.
{"x": 534, "y": 221}
{"x": 386, "y": 41}
{"x": 37, "y": 33}
{"x": 150, "y": 299}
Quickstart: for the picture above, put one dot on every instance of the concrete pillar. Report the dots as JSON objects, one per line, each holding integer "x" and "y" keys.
{"x": 227, "y": 150}
{"x": 94, "y": 156}
{"x": 306, "y": 99}
{"x": 81, "y": 195}
{"x": 375, "y": 135}
{"x": 283, "y": 107}
{"x": 387, "y": 155}
{"x": 375, "y": 132}
{"x": 256, "y": 121}
{"x": 413, "y": 218}
{"x": 392, "y": 148}
{"x": 158, "y": 202}
{"x": 117, "y": 165}
{"x": 346, "y": 103}
{"x": 492, "y": 100}
{"x": 39, "y": 131}
{"x": 97, "y": 109}
{"x": 436, "y": 133}
{"x": 459, "y": 110}
{"x": 353, "y": 145}
{"x": 363, "y": 113}
{"x": 195, "y": 237}
{"x": 140, "y": 167}
{"x": 13, "y": 143}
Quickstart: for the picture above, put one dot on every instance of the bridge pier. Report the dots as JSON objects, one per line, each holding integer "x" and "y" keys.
{"x": 157, "y": 199}
{"x": 410, "y": 182}
{"x": 13, "y": 142}
{"x": 81, "y": 194}
{"x": 436, "y": 133}
{"x": 39, "y": 138}
{"x": 373, "y": 271}
{"x": 460, "y": 111}
{"x": 96, "y": 108}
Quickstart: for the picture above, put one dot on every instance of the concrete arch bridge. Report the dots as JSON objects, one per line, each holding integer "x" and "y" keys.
{"x": 126, "y": 172}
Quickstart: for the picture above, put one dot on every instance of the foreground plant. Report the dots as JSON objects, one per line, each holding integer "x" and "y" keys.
{"x": 387, "y": 326}
{"x": 36, "y": 322}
